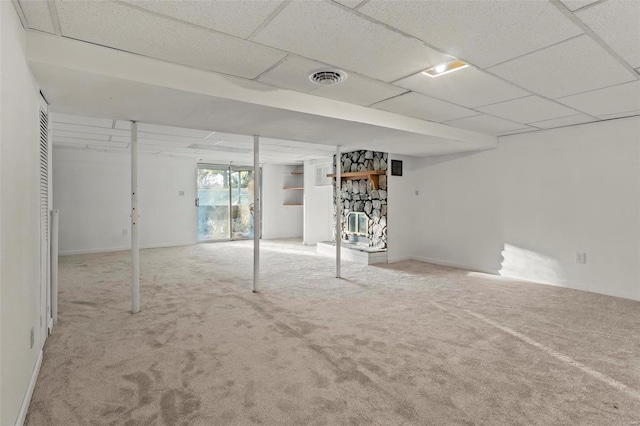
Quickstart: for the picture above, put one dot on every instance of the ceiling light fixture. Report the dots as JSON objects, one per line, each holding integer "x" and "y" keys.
{"x": 445, "y": 68}
{"x": 327, "y": 76}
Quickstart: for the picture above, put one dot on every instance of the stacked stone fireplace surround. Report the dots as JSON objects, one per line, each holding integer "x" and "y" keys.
{"x": 358, "y": 195}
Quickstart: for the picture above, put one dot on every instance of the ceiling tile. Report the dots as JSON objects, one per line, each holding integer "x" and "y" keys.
{"x": 468, "y": 87}
{"x": 231, "y": 137}
{"x": 577, "y": 4}
{"x": 618, "y": 24}
{"x": 516, "y": 132}
{"x": 486, "y": 124}
{"x": 528, "y": 110}
{"x": 358, "y": 90}
{"x": 77, "y": 135}
{"x": 574, "y": 66}
{"x": 424, "y": 107}
{"x": 169, "y": 138}
{"x": 175, "y": 131}
{"x": 166, "y": 130}
{"x": 328, "y": 33}
{"x": 483, "y": 33}
{"x": 88, "y": 129}
{"x": 349, "y": 3}
{"x": 162, "y": 140}
{"x": 165, "y": 148}
{"x": 238, "y": 18}
{"x": 564, "y": 121}
{"x": 82, "y": 120}
{"x": 292, "y": 73}
{"x": 91, "y": 142}
{"x": 129, "y": 29}
{"x": 245, "y": 145}
{"x": 610, "y": 100}
{"x": 38, "y": 15}
{"x": 621, "y": 115}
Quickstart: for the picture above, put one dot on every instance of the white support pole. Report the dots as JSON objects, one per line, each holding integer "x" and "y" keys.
{"x": 338, "y": 209}
{"x": 55, "y": 214}
{"x": 135, "y": 248}
{"x": 256, "y": 213}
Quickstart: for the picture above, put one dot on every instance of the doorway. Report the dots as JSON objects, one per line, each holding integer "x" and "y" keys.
{"x": 225, "y": 203}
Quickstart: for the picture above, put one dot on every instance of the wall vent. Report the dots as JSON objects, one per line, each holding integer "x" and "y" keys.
{"x": 322, "y": 170}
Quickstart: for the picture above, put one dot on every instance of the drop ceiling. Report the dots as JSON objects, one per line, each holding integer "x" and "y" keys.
{"x": 533, "y": 64}
{"x": 114, "y": 136}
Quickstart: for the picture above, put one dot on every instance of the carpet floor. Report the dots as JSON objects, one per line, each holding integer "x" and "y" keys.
{"x": 401, "y": 344}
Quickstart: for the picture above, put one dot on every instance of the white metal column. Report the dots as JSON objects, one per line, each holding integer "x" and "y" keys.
{"x": 256, "y": 213}
{"x": 135, "y": 248}
{"x": 55, "y": 214}
{"x": 338, "y": 209}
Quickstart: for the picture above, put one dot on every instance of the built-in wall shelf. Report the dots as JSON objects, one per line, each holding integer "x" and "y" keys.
{"x": 372, "y": 175}
{"x": 293, "y": 186}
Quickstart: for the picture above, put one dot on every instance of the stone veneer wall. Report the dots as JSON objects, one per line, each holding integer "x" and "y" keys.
{"x": 356, "y": 195}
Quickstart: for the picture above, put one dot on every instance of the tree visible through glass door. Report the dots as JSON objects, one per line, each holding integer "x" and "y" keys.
{"x": 213, "y": 203}
{"x": 241, "y": 204}
{"x": 225, "y": 203}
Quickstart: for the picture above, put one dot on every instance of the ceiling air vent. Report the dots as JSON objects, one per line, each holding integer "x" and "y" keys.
{"x": 326, "y": 76}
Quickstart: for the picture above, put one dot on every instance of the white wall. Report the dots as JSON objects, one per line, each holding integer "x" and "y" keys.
{"x": 402, "y": 213}
{"x": 92, "y": 191}
{"x": 280, "y": 221}
{"x": 19, "y": 219}
{"x": 525, "y": 209}
{"x": 318, "y": 205}
{"x": 459, "y": 211}
{"x": 575, "y": 189}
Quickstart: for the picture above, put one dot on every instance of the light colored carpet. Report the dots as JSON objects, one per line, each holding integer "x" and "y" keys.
{"x": 403, "y": 344}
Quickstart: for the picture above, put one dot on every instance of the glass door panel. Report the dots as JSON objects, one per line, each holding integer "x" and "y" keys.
{"x": 241, "y": 203}
{"x": 213, "y": 204}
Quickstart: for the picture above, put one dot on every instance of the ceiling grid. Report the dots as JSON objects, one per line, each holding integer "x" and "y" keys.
{"x": 531, "y": 63}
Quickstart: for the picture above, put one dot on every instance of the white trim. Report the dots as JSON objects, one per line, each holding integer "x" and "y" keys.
{"x": 22, "y": 415}
{"x": 125, "y": 248}
{"x": 455, "y": 265}
{"x": 400, "y": 259}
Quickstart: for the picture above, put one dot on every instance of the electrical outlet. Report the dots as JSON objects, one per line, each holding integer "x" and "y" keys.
{"x": 32, "y": 338}
{"x": 125, "y": 231}
{"x": 581, "y": 257}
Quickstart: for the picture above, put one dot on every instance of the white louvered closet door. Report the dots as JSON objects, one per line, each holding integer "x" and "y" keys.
{"x": 45, "y": 288}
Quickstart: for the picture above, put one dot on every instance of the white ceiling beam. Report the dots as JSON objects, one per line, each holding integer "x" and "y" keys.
{"x": 48, "y": 51}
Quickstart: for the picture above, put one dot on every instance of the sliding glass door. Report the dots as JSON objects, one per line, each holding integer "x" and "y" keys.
{"x": 241, "y": 203}
{"x": 225, "y": 203}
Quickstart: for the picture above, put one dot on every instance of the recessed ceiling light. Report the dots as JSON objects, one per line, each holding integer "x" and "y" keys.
{"x": 445, "y": 68}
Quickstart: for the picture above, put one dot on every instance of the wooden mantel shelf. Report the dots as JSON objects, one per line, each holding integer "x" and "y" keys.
{"x": 372, "y": 175}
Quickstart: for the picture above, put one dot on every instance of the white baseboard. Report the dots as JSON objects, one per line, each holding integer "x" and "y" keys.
{"x": 456, "y": 265}
{"x": 562, "y": 284}
{"x": 127, "y": 248}
{"x": 22, "y": 415}
{"x": 400, "y": 259}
